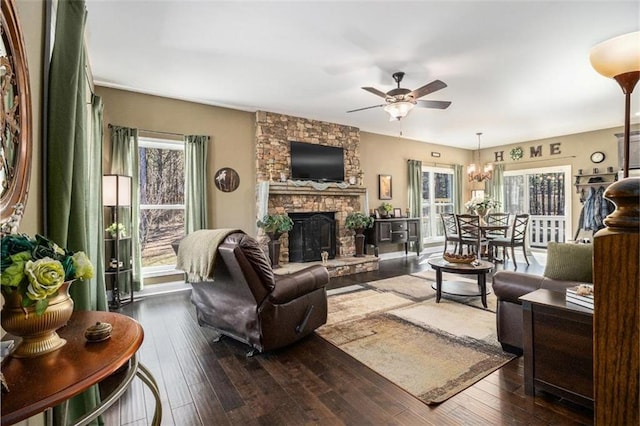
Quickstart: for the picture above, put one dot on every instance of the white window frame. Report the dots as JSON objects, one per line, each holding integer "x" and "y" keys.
{"x": 433, "y": 204}
{"x": 568, "y": 185}
{"x": 147, "y": 142}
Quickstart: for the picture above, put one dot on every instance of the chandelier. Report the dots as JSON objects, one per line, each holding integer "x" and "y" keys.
{"x": 477, "y": 173}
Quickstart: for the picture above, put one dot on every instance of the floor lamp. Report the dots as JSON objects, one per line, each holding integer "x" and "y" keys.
{"x": 116, "y": 195}
{"x": 619, "y": 58}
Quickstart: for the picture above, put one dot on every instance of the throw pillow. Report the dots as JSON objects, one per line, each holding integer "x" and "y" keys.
{"x": 569, "y": 262}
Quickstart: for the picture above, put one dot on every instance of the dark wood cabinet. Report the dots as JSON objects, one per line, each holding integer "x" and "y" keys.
{"x": 400, "y": 230}
{"x": 558, "y": 347}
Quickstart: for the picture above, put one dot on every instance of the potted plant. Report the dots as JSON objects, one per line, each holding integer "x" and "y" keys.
{"x": 358, "y": 222}
{"x": 385, "y": 209}
{"x": 274, "y": 226}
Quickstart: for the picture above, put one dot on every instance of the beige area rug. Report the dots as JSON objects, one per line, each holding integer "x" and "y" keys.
{"x": 432, "y": 350}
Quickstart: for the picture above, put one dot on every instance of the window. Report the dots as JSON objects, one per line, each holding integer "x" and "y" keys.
{"x": 161, "y": 202}
{"x": 543, "y": 193}
{"x": 437, "y": 197}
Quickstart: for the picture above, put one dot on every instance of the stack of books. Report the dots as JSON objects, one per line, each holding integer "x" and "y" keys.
{"x": 581, "y": 295}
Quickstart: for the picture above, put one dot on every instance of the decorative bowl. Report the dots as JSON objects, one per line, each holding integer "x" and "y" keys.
{"x": 459, "y": 258}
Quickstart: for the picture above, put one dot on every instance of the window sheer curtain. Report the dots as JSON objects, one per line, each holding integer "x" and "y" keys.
{"x": 73, "y": 165}
{"x": 195, "y": 181}
{"x": 495, "y": 186}
{"x": 415, "y": 194}
{"x": 457, "y": 188}
{"x": 125, "y": 160}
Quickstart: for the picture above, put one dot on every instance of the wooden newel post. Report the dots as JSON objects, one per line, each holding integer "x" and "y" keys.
{"x": 616, "y": 319}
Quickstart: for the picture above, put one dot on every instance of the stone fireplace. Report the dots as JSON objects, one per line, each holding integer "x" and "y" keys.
{"x": 273, "y": 134}
{"x": 312, "y": 234}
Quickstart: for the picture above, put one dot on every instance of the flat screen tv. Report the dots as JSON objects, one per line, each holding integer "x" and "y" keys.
{"x": 319, "y": 163}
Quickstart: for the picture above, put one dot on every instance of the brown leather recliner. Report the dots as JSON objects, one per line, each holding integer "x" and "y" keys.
{"x": 248, "y": 302}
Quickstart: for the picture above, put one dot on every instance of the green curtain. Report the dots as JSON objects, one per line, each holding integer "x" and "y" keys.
{"x": 495, "y": 186}
{"x": 415, "y": 194}
{"x": 195, "y": 173}
{"x": 125, "y": 160}
{"x": 458, "y": 204}
{"x": 68, "y": 164}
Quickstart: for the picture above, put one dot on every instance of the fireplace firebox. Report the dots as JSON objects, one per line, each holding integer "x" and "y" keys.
{"x": 312, "y": 233}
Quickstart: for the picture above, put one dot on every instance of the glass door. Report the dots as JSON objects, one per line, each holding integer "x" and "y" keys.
{"x": 437, "y": 197}
{"x": 543, "y": 193}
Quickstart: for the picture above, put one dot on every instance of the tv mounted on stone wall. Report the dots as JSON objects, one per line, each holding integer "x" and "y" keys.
{"x": 316, "y": 162}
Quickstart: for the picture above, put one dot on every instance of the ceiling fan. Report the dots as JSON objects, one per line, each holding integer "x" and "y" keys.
{"x": 400, "y": 101}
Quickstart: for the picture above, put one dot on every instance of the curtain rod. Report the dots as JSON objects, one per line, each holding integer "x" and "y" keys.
{"x": 426, "y": 163}
{"x": 155, "y": 131}
{"x": 537, "y": 161}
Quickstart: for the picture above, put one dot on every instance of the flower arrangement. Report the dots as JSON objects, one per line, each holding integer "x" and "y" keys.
{"x": 387, "y": 207}
{"x": 116, "y": 229}
{"x": 36, "y": 268}
{"x": 481, "y": 203}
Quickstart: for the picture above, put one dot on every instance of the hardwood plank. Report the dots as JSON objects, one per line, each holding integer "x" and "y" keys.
{"x": 310, "y": 382}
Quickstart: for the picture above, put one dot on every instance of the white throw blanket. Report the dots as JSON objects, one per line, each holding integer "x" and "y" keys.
{"x": 197, "y": 252}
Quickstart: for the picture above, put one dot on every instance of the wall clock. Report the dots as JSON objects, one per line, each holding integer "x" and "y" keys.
{"x": 597, "y": 157}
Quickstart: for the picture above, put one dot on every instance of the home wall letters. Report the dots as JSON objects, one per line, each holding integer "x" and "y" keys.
{"x": 534, "y": 151}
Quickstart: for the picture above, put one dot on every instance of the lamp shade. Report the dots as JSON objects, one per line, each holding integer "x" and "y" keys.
{"x": 398, "y": 110}
{"x": 116, "y": 190}
{"x": 617, "y": 56}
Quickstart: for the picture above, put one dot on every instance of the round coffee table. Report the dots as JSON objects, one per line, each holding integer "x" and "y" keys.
{"x": 461, "y": 288}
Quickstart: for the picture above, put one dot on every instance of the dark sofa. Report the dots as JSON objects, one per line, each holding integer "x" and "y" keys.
{"x": 568, "y": 265}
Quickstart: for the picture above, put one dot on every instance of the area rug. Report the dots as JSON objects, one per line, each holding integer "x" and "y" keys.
{"x": 432, "y": 350}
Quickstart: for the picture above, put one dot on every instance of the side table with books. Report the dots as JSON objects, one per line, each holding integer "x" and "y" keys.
{"x": 558, "y": 346}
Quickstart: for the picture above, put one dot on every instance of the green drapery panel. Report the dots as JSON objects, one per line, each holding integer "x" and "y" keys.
{"x": 458, "y": 204}
{"x": 125, "y": 160}
{"x": 195, "y": 182}
{"x": 415, "y": 194}
{"x": 495, "y": 187}
{"x": 68, "y": 164}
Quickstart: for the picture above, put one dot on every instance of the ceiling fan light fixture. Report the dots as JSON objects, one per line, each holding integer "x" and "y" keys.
{"x": 398, "y": 110}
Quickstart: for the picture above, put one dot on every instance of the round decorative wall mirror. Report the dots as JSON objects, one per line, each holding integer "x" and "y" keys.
{"x": 15, "y": 117}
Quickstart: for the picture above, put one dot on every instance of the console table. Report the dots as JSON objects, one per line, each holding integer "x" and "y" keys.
{"x": 38, "y": 384}
{"x": 400, "y": 230}
{"x": 558, "y": 347}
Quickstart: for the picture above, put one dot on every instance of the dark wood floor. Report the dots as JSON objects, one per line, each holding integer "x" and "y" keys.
{"x": 311, "y": 382}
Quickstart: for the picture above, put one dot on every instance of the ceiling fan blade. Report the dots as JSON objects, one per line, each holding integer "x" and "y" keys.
{"x": 433, "y": 104}
{"x": 369, "y": 107}
{"x": 375, "y": 91}
{"x": 428, "y": 88}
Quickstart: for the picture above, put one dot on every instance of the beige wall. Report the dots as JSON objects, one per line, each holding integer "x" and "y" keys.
{"x": 32, "y": 19}
{"x": 232, "y": 145}
{"x": 575, "y": 151}
{"x": 388, "y": 156}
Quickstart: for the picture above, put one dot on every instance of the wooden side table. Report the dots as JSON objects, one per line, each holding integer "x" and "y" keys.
{"x": 558, "y": 347}
{"x": 38, "y": 384}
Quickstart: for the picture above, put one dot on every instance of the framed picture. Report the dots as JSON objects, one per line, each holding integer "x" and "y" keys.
{"x": 384, "y": 187}
{"x": 377, "y": 214}
{"x": 397, "y": 212}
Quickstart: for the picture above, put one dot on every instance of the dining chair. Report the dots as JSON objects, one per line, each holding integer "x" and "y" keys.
{"x": 497, "y": 219}
{"x": 470, "y": 234}
{"x": 517, "y": 238}
{"x": 451, "y": 234}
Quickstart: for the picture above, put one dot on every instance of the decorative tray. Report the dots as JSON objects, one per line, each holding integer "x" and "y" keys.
{"x": 459, "y": 258}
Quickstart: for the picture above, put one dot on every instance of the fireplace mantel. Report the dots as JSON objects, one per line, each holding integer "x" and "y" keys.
{"x": 285, "y": 188}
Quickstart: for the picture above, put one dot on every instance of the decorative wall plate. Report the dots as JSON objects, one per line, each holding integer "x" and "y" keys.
{"x": 597, "y": 157}
{"x": 227, "y": 179}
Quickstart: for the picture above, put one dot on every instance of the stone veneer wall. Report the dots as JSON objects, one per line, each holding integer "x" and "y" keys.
{"x": 273, "y": 134}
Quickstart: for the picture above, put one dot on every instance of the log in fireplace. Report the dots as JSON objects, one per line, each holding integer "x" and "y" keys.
{"x": 312, "y": 233}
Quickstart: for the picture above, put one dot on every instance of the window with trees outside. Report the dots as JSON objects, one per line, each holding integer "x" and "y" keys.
{"x": 161, "y": 202}
{"x": 437, "y": 197}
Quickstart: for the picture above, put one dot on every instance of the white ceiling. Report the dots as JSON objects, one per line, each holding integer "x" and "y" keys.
{"x": 515, "y": 70}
